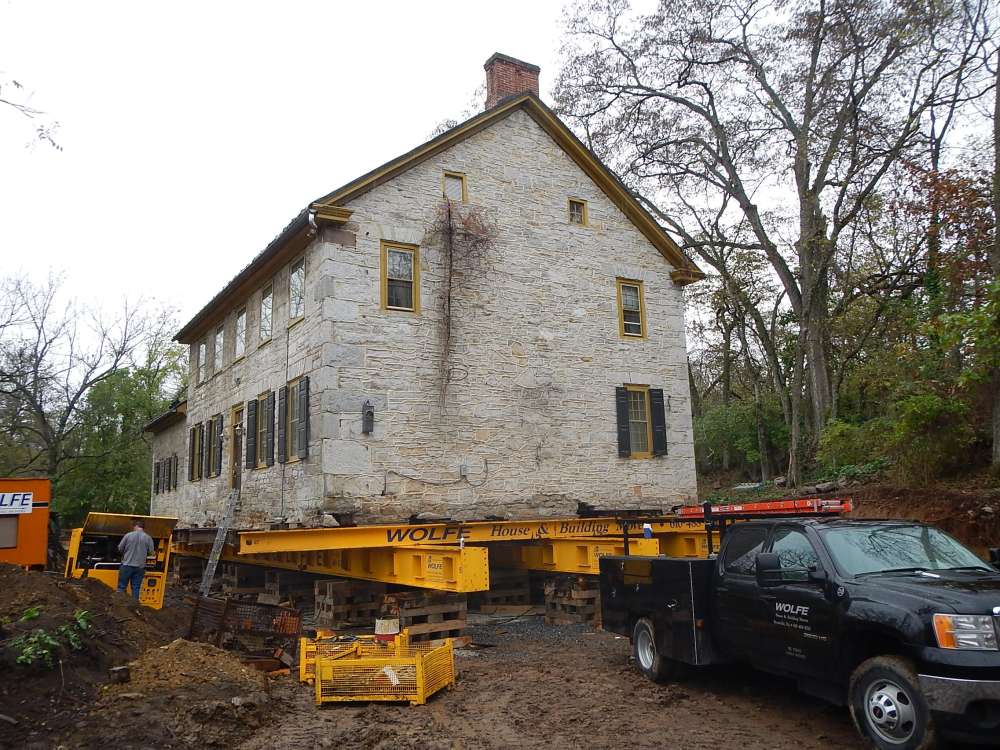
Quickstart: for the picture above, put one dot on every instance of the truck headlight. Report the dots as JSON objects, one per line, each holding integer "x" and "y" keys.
{"x": 965, "y": 632}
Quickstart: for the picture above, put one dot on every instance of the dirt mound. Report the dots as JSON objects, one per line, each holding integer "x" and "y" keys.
{"x": 970, "y": 512}
{"x": 182, "y": 695}
{"x": 58, "y": 638}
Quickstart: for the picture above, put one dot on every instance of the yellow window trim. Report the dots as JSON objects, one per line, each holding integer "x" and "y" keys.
{"x": 460, "y": 175}
{"x": 586, "y": 211}
{"x": 415, "y": 251}
{"x": 649, "y": 421}
{"x": 621, "y": 311}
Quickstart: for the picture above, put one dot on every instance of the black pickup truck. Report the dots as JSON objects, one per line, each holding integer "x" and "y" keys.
{"x": 896, "y": 620}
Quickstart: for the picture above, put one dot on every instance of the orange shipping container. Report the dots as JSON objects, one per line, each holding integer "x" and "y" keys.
{"x": 24, "y": 521}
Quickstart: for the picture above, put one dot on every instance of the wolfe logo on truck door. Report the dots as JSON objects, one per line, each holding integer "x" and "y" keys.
{"x": 791, "y": 615}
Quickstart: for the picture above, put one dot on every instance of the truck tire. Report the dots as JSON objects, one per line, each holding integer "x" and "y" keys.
{"x": 648, "y": 658}
{"x": 887, "y": 706}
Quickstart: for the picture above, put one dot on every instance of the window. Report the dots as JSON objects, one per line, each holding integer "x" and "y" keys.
{"x": 202, "y": 364}
{"x": 631, "y": 310}
{"x": 794, "y": 550}
{"x": 195, "y": 449}
{"x": 8, "y": 531}
{"x": 400, "y": 277}
{"x": 642, "y": 421}
{"x": 293, "y": 420}
{"x": 265, "y": 420}
{"x": 220, "y": 341}
{"x": 578, "y": 211}
{"x": 241, "y": 333}
{"x": 209, "y": 444}
{"x": 266, "y": 297}
{"x": 453, "y": 186}
{"x": 639, "y": 422}
{"x": 741, "y": 550}
{"x": 297, "y": 290}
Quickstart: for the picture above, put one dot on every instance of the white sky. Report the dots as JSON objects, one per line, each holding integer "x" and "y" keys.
{"x": 194, "y": 131}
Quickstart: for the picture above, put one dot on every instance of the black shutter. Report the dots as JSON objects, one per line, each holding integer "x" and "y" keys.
{"x": 282, "y": 416}
{"x": 621, "y": 407}
{"x": 303, "y": 425}
{"x": 191, "y": 456}
{"x": 202, "y": 453}
{"x": 156, "y": 477}
{"x": 173, "y": 472}
{"x": 269, "y": 413}
{"x": 658, "y": 415}
{"x": 251, "y": 436}
{"x": 218, "y": 445}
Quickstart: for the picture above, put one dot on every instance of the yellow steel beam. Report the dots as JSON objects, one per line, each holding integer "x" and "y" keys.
{"x": 438, "y": 567}
{"x": 474, "y": 532}
{"x": 569, "y": 555}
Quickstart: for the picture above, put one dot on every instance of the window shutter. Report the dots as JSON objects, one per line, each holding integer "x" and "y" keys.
{"x": 173, "y": 472}
{"x": 269, "y": 412}
{"x": 303, "y": 425}
{"x": 621, "y": 407}
{"x": 156, "y": 477}
{"x": 218, "y": 445}
{"x": 202, "y": 453}
{"x": 191, "y": 456}
{"x": 658, "y": 414}
{"x": 251, "y": 434}
{"x": 282, "y": 416}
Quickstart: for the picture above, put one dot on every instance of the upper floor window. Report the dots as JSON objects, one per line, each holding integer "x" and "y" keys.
{"x": 577, "y": 211}
{"x": 241, "y": 333}
{"x": 202, "y": 361}
{"x": 454, "y": 186}
{"x": 220, "y": 341}
{"x": 400, "y": 277}
{"x": 266, "y": 298}
{"x": 297, "y": 289}
{"x": 631, "y": 312}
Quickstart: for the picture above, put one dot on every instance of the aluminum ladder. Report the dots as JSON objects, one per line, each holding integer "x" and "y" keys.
{"x": 220, "y": 541}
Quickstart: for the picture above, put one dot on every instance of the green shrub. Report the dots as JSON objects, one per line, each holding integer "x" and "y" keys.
{"x": 846, "y": 447}
{"x": 931, "y": 436}
{"x": 34, "y": 647}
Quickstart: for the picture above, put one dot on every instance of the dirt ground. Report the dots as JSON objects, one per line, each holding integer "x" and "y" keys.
{"x": 529, "y": 685}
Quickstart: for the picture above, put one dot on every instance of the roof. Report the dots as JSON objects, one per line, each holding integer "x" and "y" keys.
{"x": 294, "y": 237}
{"x": 173, "y": 415}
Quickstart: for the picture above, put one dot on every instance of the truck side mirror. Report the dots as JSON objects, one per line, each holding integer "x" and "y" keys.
{"x": 768, "y": 569}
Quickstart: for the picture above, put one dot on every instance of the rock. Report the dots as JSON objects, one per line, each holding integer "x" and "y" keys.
{"x": 780, "y": 481}
{"x": 120, "y": 675}
{"x": 131, "y": 696}
{"x": 328, "y": 521}
{"x": 988, "y": 510}
{"x": 428, "y": 516}
{"x": 826, "y": 486}
{"x": 9, "y": 719}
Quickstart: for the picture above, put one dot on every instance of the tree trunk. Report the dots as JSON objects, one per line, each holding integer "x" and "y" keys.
{"x": 695, "y": 396}
{"x": 794, "y": 475}
{"x": 765, "y": 457}
{"x": 727, "y": 383}
{"x": 995, "y": 257}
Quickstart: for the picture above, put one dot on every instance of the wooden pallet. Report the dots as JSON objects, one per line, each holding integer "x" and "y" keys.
{"x": 241, "y": 579}
{"x": 339, "y": 602}
{"x": 572, "y": 599}
{"x": 428, "y": 616}
{"x": 509, "y": 590}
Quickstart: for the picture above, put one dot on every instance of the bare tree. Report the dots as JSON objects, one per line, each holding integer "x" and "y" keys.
{"x": 51, "y": 355}
{"x": 770, "y": 126}
{"x": 10, "y": 97}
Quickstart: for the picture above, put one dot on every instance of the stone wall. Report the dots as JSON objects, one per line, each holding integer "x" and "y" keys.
{"x": 171, "y": 441}
{"x": 525, "y": 398}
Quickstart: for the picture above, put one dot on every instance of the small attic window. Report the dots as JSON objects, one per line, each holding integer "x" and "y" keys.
{"x": 577, "y": 211}
{"x": 453, "y": 186}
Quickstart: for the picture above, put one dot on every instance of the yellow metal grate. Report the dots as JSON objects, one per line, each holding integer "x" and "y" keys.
{"x": 372, "y": 671}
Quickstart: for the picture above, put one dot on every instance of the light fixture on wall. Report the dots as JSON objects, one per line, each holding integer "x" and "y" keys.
{"x": 367, "y": 417}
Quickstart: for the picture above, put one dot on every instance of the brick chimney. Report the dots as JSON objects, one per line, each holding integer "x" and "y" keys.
{"x": 507, "y": 76}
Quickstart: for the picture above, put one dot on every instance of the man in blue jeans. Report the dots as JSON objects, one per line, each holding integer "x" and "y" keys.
{"x": 135, "y": 547}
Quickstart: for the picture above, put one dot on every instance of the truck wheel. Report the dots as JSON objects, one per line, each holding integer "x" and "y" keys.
{"x": 888, "y": 707}
{"x": 647, "y": 656}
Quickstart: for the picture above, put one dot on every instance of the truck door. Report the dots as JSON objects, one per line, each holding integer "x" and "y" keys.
{"x": 802, "y": 619}
{"x": 740, "y": 615}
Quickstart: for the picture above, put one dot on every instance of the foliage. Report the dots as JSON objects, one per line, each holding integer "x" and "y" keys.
{"x": 34, "y": 647}
{"x": 734, "y": 428}
{"x": 31, "y": 613}
{"x": 845, "y": 444}
{"x": 931, "y": 436}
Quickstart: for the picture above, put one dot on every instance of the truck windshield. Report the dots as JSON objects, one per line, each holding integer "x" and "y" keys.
{"x": 880, "y": 549}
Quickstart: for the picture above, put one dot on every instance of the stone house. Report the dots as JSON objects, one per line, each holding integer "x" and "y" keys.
{"x": 488, "y": 326}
